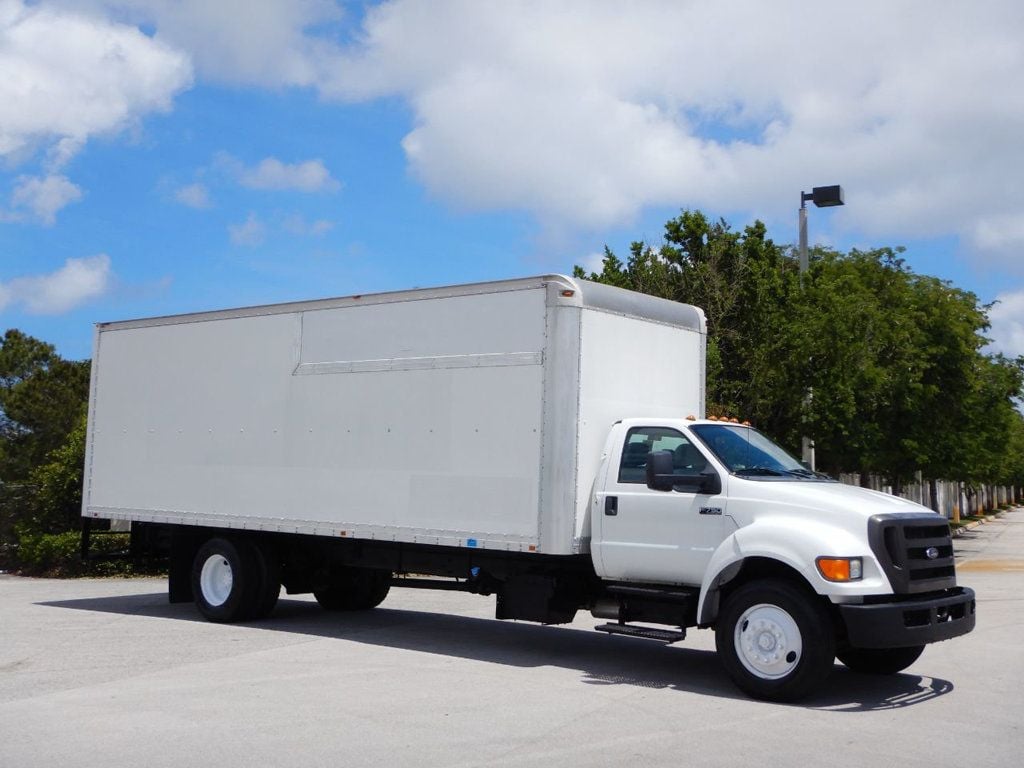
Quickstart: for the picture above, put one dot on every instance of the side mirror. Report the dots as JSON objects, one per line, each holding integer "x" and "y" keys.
{"x": 660, "y": 476}
{"x": 659, "y": 471}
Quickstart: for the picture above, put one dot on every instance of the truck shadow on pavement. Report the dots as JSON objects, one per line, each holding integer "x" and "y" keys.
{"x": 602, "y": 660}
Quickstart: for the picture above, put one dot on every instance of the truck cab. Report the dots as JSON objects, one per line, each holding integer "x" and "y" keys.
{"x": 790, "y": 567}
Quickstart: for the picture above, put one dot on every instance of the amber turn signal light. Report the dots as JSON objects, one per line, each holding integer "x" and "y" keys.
{"x": 840, "y": 568}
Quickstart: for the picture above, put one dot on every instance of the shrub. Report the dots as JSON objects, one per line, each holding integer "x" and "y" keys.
{"x": 59, "y": 554}
{"x": 39, "y": 553}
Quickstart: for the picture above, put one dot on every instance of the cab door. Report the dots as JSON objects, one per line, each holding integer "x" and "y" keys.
{"x": 657, "y": 536}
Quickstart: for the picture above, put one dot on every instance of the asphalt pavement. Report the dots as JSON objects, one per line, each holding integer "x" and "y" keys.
{"x": 105, "y": 672}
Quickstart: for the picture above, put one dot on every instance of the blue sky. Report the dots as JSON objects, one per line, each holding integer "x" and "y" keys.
{"x": 164, "y": 157}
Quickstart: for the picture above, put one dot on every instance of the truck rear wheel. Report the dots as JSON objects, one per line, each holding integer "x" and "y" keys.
{"x": 225, "y": 580}
{"x": 354, "y": 589}
{"x": 268, "y": 567}
{"x": 775, "y": 640}
{"x": 880, "y": 661}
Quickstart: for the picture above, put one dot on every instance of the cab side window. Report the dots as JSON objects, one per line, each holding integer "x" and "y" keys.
{"x": 641, "y": 441}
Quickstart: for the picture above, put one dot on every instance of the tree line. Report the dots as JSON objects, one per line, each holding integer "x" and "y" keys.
{"x": 894, "y": 361}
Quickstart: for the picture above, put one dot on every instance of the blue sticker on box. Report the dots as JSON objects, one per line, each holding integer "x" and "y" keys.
{"x": 470, "y": 542}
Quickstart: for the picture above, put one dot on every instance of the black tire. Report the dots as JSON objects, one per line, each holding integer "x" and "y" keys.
{"x": 775, "y": 639}
{"x": 268, "y": 565}
{"x": 225, "y": 580}
{"x": 880, "y": 661}
{"x": 353, "y": 589}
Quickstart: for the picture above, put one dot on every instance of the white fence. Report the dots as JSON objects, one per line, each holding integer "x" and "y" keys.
{"x": 954, "y": 500}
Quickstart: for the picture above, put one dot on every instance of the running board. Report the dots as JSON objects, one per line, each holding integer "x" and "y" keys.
{"x": 667, "y": 636}
{"x": 657, "y": 594}
{"x": 451, "y": 585}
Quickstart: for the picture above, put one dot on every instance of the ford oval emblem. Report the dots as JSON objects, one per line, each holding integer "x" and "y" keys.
{"x": 931, "y": 553}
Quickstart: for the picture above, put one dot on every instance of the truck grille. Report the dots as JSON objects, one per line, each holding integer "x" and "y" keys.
{"x": 915, "y": 551}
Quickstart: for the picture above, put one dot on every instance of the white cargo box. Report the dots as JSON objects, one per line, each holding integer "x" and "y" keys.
{"x": 471, "y": 416}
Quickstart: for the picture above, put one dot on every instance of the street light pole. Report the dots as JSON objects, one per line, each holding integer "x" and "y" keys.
{"x": 822, "y": 197}
{"x": 803, "y": 238}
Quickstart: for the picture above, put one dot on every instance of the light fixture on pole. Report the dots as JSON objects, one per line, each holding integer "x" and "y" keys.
{"x": 822, "y": 197}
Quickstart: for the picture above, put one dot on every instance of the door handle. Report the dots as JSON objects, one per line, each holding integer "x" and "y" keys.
{"x": 611, "y": 505}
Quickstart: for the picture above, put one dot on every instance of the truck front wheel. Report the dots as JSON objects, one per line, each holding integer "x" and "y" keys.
{"x": 879, "y": 661}
{"x": 775, "y": 640}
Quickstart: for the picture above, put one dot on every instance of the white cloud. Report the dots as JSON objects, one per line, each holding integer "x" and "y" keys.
{"x": 585, "y": 113}
{"x": 42, "y": 198}
{"x": 267, "y": 43}
{"x": 297, "y": 224}
{"x": 69, "y": 76}
{"x": 77, "y": 282}
{"x": 592, "y": 262}
{"x": 1000, "y": 233}
{"x": 254, "y": 230}
{"x": 1007, "y": 319}
{"x": 193, "y": 195}
{"x": 251, "y": 232}
{"x": 271, "y": 173}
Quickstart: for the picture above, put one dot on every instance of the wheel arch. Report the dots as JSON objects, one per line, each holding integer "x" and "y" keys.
{"x": 742, "y": 571}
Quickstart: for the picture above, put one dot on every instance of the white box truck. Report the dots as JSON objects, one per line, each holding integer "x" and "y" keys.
{"x": 541, "y": 440}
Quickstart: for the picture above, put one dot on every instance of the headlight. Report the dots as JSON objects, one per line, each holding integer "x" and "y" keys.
{"x": 840, "y": 568}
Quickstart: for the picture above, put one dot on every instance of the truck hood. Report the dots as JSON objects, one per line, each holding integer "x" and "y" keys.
{"x": 821, "y": 498}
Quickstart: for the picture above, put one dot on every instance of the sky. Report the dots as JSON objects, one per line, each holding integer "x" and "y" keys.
{"x": 168, "y": 156}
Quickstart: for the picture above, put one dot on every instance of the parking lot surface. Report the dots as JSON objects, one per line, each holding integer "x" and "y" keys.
{"x": 104, "y": 672}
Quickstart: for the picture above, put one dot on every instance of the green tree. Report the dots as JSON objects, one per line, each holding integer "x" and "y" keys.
{"x": 990, "y": 419}
{"x": 42, "y": 416}
{"x": 1012, "y": 472}
{"x": 41, "y": 398}
{"x": 900, "y": 382}
{"x": 57, "y": 502}
{"x": 860, "y": 355}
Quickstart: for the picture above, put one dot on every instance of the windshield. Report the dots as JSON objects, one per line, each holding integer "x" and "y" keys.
{"x": 745, "y": 451}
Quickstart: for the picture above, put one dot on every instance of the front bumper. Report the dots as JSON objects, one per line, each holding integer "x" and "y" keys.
{"x": 905, "y": 623}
